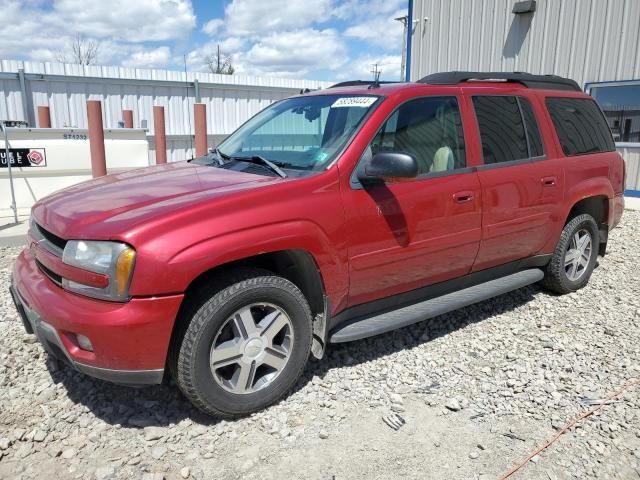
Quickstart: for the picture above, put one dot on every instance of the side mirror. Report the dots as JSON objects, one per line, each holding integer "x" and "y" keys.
{"x": 388, "y": 165}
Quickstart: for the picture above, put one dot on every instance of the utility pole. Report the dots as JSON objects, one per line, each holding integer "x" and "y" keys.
{"x": 376, "y": 73}
{"x": 405, "y": 21}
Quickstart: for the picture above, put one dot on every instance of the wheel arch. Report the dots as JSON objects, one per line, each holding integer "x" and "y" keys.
{"x": 296, "y": 265}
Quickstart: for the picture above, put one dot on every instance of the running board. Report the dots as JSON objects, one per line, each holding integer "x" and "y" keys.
{"x": 385, "y": 322}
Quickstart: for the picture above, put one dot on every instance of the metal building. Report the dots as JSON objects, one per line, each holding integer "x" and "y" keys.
{"x": 595, "y": 42}
{"x": 65, "y": 88}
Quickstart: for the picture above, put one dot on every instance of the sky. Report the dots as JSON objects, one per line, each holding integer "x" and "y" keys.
{"x": 312, "y": 39}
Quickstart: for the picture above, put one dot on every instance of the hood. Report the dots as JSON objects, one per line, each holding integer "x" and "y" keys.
{"x": 128, "y": 198}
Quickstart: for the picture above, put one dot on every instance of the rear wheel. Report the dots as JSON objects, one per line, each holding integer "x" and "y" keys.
{"x": 245, "y": 346}
{"x": 575, "y": 256}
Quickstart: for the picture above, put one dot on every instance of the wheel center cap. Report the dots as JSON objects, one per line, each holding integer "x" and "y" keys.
{"x": 253, "y": 348}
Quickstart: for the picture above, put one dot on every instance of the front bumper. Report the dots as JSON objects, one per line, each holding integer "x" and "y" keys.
{"x": 130, "y": 340}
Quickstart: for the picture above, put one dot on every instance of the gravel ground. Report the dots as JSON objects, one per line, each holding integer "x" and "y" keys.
{"x": 479, "y": 389}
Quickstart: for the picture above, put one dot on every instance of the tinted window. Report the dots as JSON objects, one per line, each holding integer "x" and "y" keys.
{"x": 580, "y": 126}
{"x": 430, "y": 129}
{"x": 531, "y": 126}
{"x": 501, "y": 129}
{"x": 621, "y": 107}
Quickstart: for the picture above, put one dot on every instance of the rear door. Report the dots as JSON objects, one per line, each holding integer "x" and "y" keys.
{"x": 405, "y": 235}
{"x": 522, "y": 184}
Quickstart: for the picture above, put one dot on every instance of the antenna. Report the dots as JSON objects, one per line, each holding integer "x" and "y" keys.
{"x": 186, "y": 85}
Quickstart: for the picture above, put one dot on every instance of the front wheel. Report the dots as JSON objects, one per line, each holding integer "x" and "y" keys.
{"x": 575, "y": 256}
{"x": 246, "y": 346}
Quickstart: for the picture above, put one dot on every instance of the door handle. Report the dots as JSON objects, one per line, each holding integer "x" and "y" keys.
{"x": 548, "y": 181}
{"x": 463, "y": 197}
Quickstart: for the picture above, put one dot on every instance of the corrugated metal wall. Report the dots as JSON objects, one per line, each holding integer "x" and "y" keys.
{"x": 65, "y": 88}
{"x": 587, "y": 40}
{"x": 631, "y": 157}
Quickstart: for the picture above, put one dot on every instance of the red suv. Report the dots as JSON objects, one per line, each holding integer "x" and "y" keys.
{"x": 328, "y": 217}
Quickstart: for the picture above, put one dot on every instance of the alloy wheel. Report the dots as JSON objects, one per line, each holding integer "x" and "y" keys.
{"x": 251, "y": 348}
{"x": 578, "y": 255}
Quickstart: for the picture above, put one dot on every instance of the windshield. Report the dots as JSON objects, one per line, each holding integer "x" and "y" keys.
{"x": 301, "y": 133}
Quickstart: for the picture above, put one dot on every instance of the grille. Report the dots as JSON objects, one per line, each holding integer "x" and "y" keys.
{"x": 54, "y": 277}
{"x": 51, "y": 238}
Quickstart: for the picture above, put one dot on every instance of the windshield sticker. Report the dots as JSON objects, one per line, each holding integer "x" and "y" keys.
{"x": 354, "y": 102}
{"x": 321, "y": 157}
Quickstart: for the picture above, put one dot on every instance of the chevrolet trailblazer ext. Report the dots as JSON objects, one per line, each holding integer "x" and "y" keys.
{"x": 328, "y": 217}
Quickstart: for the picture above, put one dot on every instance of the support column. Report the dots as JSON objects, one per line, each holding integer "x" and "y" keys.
{"x": 160, "y": 136}
{"x": 200, "y": 117}
{"x": 96, "y": 138}
{"x": 127, "y": 118}
{"x": 44, "y": 117}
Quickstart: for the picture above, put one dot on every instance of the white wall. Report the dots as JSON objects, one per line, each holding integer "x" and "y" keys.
{"x": 67, "y": 161}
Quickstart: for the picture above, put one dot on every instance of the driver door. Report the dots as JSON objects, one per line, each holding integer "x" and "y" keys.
{"x": 406, "y": 235}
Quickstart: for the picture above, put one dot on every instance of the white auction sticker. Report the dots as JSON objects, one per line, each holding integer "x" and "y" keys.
{"x": 354, "y": 102}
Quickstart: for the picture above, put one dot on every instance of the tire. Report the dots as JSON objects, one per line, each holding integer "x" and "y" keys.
{"x": 559, "y": 277}
{"x": 215, "y": 326}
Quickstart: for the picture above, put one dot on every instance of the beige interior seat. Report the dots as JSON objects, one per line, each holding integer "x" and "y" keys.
{"x": 442, "y": 160}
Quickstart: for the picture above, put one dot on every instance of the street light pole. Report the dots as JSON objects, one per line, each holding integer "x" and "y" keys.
{"x": 404, "y": 21}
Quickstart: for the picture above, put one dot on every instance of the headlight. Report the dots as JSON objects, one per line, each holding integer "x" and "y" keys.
{"x": 114, "y": 259}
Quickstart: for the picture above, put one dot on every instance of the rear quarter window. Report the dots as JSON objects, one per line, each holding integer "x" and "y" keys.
{"x": 580, "y": 126}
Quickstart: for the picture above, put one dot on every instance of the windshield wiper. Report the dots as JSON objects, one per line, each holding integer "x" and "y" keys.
{"x": 258, "y": 160}
{"x": 214, "y": 154}
{"x": 218, "y": 156}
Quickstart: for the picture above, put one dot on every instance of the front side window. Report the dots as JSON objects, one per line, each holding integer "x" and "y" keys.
{"x": 430, "y": 129}
{"x": 580, "y": 125}
{"x": 302, "y": 133}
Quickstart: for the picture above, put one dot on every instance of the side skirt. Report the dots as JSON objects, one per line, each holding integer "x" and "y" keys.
{"x": 377, "y": 323}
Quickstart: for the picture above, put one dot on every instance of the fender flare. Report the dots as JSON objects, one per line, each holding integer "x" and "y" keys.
{"x": 191, "y": 262}
{"x": 593, "y": 187}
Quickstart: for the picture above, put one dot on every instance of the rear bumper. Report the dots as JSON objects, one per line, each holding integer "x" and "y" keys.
{"x": 130, "y": 340}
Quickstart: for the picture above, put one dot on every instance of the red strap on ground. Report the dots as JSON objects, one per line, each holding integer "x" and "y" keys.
{"x": 568, "y": 426}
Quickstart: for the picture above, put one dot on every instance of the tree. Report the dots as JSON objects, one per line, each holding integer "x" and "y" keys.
{"x": 81, "y": 51}
{"x": 219, "y": 63}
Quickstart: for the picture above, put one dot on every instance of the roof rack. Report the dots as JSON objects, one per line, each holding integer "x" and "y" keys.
{"x": 551, "y": 82}
{"x": 359, "y": 83}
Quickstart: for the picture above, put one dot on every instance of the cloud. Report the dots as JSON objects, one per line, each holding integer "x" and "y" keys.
{"x": 252, "y": 18}
{"x": 213, "y": 26}
{"x": 131, "y": 21}
{"x": 382, "y": 31}
{"x": 352, "y": 9}
{"x": 35, "y": 31}
{"x": 148, "y": 58}
{"x": 292, "y": 38}
{"x": 294, "y": 53}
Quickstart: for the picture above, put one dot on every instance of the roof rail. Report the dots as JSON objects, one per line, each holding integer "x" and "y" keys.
{"x": 551, "y": 82}
{"x": 359, "y": 83}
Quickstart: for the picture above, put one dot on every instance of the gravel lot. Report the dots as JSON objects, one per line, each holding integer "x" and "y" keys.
{"x": 479, "y": 389}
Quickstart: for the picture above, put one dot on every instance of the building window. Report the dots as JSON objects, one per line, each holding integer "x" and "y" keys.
{"x": 620, "y": 102}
